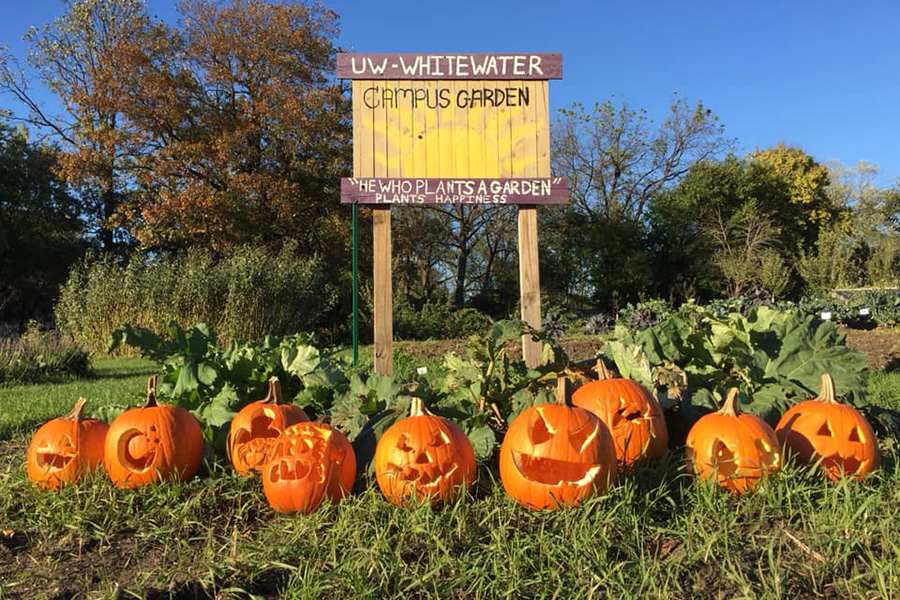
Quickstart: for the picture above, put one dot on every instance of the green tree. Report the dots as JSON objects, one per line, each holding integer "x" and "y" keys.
{"x": 809, "y": 207}
{"x": 617, "y": 159}
{"x": 872, "y": 229}
{"x": 716, "y": 233}
{"x": 40, "y": 228}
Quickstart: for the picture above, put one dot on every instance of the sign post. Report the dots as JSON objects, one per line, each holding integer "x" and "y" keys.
{"x": 445, "y": 129}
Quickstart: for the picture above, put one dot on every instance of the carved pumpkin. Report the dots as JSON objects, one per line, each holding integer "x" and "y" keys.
{"x": 64, "y": 449}
{"x": 822, "y": 429}
{"x": 153, "y": 443}
{"x": 556, "y": 455}
{"x": 307, "y": 463}
{"x": 255, "y": 427}
{"x": 735, "y": 448}
{"x": 424, "y": 456}
{"x": 632, "y": 414}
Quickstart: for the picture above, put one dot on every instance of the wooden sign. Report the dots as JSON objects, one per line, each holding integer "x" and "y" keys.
{"x": 451, "y": 128}
{"x": 412, "y": 191}
{"x": 449, "y": 66}
{"x": 447, "y": 129}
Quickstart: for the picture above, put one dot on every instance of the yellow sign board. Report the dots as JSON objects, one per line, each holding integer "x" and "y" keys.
{"x": 450, "y": 129}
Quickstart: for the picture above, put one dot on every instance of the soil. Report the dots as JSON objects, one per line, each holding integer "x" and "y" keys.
{"x": 881, "y": 346}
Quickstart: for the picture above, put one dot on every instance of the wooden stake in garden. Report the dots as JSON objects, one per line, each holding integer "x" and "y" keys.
{"x": 451, "y": 129}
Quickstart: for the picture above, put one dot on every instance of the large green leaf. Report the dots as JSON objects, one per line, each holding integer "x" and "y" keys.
{"x": 483, "y": 440}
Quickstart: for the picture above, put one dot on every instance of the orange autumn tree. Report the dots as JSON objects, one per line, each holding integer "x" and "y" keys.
{"x": 77, "y": 57}
{"x": 248, "y": 131}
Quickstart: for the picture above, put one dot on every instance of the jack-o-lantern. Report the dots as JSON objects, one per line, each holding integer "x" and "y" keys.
{"x": 632, "y": 414}
{"x": 64, "y": 449}
{"x": 823, "y": 429}
{"x": 735, "y": 448}
{"x": 307, "y": 463}
{"x": 424, "y": 456}
{"x": 255, "y": 427}
{"x": 556, "y": 455}
{"x": 152, "y": 443}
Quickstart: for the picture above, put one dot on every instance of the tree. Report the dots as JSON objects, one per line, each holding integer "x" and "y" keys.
{"x": 809, "y": 207}
{"x": 616, "y": 162}
{"x": 78, "y": 58}
{"x": 248, "y": 133}
{"x": 871, "y": 229}
{"x": 40, "y": 228}
{"x": 715, "y": 231}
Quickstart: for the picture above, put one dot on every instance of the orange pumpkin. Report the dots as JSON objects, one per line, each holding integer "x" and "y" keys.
{"x": 630, "y": 411}
{"x": 307, "y": 463}
{"x": 822, "y": 429}
{"x": 556, "y": 455}
{"x": 153, "y": 443}
{"x": 424, "y": 456}
{"x": 64, "y": 449}
{"x": 256, "y": 425}
{"x": 735, "y": 448}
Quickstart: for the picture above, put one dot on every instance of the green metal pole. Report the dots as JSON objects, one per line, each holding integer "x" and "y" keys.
{"x": 355, "y": 269}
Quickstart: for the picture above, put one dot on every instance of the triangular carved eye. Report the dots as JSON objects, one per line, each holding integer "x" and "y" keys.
{"x": 403, "y": 443}
{"x": 825, "y": 430}
{"x": 855, "y": 435}
{"x": 540, "y": 432}
{"x": 723, "y": 458}
{"x": 584, "y": 435}
{"x": 439, "y": 438}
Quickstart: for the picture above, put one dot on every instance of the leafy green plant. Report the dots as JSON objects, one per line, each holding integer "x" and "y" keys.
{"x": 214, "y": 383}
{"x": 481, "y": 390}
{"x": 775, "y": 357}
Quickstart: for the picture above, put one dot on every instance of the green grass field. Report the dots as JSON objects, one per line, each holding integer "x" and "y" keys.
{"x": 655, "y": 534}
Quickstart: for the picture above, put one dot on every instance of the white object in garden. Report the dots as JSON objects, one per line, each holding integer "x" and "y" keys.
{"x": 826, "y": 316}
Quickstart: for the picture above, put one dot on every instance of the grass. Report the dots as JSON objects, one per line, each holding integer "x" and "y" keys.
{"x": 115, "y": 382}
{"x": 655, "y": 534}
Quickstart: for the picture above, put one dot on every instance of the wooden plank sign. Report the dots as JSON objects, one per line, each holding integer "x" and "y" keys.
{"x": 449, "y": 66}
{"x": 451, "y": 128}
{"x": 412, "y": 191}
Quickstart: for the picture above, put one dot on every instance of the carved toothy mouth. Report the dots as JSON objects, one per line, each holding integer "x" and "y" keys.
{"x": 550, "y": 471}
{"x": 421, "y": 478}
{"x": 52, "y": 461}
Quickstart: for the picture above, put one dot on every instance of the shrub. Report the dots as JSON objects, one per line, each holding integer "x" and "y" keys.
{"x": 436, "y": 320}
{"x": 41, "y": 355}
{"x": 247, "y": 293}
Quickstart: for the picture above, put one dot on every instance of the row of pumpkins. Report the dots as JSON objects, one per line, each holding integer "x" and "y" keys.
{"x": 555, "y": 454}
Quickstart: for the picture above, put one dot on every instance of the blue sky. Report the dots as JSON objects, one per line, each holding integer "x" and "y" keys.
{"x": 822, "y": 75}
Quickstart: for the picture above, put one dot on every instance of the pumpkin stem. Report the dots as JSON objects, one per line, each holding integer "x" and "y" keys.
{"x": 151, "y": 392}
{"x": 731, "y": 408}
{"x": 563, "y": 391}
{"x": 77, "y": 412}
{"x": 602, "y": 372}
{"x": 827, "y": 394}
{"x": 273, "y": 396}
{"x": 417, "y": 407}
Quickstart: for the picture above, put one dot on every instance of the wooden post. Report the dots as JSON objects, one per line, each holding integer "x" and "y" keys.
{"x": 529, "y": 281}
{"x": 384, "y": 323}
